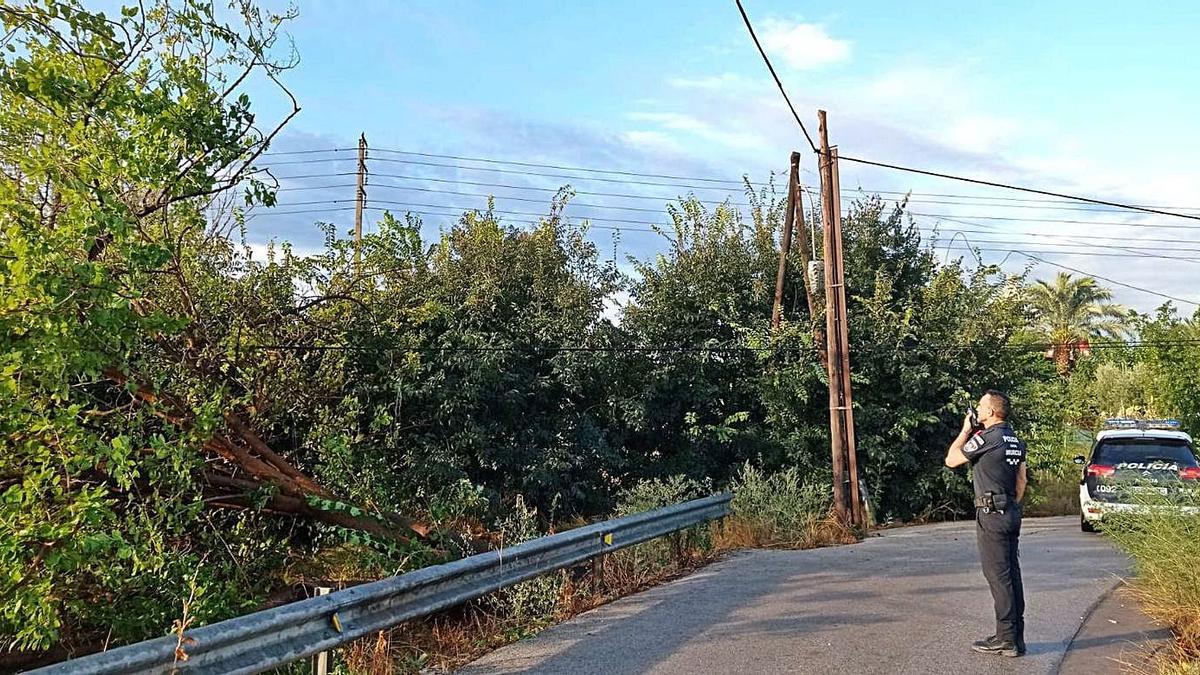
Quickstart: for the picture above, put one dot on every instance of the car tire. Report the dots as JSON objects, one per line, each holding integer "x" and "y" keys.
{"x": 1086, "y": 525}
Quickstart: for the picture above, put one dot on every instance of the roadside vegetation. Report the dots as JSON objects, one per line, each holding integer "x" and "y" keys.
{"x": 777, "y": 511}
{"x": 186, "y": 424}
{"x": 1165, "y": 547}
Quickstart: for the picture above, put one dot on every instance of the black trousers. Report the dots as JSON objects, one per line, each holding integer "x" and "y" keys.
{"x": 997, "y": 534}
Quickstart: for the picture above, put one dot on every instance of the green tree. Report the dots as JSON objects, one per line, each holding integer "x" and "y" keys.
{"x": 1174, "y": 361}
{"x": 116, "y": 132}
{"x": 1071, "y": 311}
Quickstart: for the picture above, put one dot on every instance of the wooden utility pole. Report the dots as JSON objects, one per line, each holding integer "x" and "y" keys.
{"x": 794, "y": 225}
{"x": 841, "y": 414}
{"x": 785, "y": 239}
{"x": 805, "y": 256}
{"x": 851, "y": 444}
{"x": 360, "y": 200}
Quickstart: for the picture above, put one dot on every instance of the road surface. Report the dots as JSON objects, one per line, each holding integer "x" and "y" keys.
{"x": 908, "y": 601}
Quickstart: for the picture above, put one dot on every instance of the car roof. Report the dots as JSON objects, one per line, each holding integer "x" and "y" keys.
{"x": 1143, "y": 433}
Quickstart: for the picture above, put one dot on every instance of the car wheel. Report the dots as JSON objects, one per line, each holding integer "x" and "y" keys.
{"x": 1086, "y": 525}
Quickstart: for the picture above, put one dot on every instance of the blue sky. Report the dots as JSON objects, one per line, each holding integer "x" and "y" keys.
{"x": 1092, "y": 98}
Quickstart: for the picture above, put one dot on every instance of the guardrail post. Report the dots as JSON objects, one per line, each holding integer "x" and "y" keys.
{"x": 320, "y": 661}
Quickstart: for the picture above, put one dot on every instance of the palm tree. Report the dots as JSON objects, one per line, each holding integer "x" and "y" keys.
{"x": 1073, "y": 311}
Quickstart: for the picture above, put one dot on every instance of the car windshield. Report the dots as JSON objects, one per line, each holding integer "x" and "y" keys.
{"x": 1120, "y": 450}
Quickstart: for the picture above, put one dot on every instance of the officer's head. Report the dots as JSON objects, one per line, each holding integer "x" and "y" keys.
{"x": 993, "y": 408}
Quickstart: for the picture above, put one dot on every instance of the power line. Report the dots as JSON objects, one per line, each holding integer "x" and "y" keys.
{"x": 1057, "y": 251}
{"x": 1110, "y": 280}
{"x": 664, "y": 198}
{"x": 275, "y": 153}
{"x": 542, "y": 174}
{"x": 1160, "y": 249}
{"x": 968, "y": 247}
{"x": 535, "y": 165}
{"x": 1027, "y": 203}
{"x": 753, "y": 36}
{"x": 937, "y": 174}
{"x": 1058, "y": 220}
{"x": 532, "y": 349}
{"x": 1006, "y": 186}
{"x": 742, "y": 183}
{"x": 1053, "y": 236}
{"x": 649, "y": 210}
{"x": 458, "y": 210}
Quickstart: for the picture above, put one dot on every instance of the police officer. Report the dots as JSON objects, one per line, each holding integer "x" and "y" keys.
{"x": 997, "y": 458}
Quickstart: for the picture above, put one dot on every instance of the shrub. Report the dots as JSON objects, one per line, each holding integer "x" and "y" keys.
{"x": 536, "y": 600}
{"x": 633, "y": 567}
{"x": 780, "y": 510}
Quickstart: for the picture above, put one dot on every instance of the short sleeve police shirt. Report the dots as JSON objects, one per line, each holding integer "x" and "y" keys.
{"x": 995, "y": 454}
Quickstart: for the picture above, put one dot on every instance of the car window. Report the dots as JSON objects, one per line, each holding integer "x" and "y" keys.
{"x": 1120, "y": 450}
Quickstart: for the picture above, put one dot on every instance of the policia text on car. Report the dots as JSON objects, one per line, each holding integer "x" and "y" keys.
{"x": 997, "y": 458}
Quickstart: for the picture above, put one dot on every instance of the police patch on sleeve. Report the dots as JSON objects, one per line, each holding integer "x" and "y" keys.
{"x": 973, "y": 446}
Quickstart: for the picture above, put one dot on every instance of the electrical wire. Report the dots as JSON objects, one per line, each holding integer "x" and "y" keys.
{"x": 1030, "y": 347}
{"x": 771, "y": 68}
{"x": 1058, "y": 220}
{"x": 1112, "y": 281}
{"x": 1029, "y": 203}
{"x": 1006, "y": 186}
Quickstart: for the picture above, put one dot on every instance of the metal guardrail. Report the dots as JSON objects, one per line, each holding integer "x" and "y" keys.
{"x": 273, "y": 637}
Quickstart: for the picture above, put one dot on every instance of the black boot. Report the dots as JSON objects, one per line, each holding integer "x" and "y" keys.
{"x": 992, "y": 645}
{"x": 985, "y": 642}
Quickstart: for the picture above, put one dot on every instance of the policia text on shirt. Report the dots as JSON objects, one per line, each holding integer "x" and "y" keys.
{"x": 997, "y": 459}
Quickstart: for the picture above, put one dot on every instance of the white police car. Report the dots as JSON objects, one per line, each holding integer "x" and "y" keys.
{"x": 1132, "y": 457}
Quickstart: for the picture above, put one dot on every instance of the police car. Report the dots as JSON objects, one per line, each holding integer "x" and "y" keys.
{"x": 1133, "y": 458}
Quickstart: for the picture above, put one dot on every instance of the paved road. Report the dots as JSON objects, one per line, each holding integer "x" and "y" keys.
{"x": 909, "y": 601}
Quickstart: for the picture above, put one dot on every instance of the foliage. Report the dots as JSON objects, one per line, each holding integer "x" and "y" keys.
{"x": 1174, "y": 361}
{"x": 535, "y": 600}
{"x": 105, "y": 122}
{"x": 1071, "y": 311}
{"x": 780, "y": 509}
{"x": 182, "y": 419}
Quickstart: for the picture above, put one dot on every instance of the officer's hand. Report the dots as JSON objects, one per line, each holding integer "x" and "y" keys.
{"x": 968, "y": 425}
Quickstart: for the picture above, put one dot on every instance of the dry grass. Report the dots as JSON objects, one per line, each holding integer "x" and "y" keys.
{"x": 456, "y": 637}
{"x": 737, "y": 532}
{"x": 1165, "y": 546}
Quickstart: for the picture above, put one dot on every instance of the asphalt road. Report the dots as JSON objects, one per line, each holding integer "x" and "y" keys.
{"x": 908, "y": 601}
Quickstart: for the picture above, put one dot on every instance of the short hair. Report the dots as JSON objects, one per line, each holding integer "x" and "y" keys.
{"x": 1000, "y": 403}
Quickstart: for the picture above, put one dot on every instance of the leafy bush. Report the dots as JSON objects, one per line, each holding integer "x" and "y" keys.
{"x": 779, "y": 510}
{"x": 537, "y": 599}
{"x": 639, "y": 564}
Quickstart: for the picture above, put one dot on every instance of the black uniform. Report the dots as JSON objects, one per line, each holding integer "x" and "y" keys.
{"x": 996, "y": 455}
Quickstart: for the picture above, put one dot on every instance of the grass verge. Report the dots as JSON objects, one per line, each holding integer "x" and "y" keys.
{"x": 1165, "y": 546}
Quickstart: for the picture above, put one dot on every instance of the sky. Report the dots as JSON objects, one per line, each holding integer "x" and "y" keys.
{"x": 1090, "y": 98}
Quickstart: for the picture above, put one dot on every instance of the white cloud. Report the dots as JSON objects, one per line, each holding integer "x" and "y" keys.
{"x": 724, "y": 81}
{"x": 803, "y": 46}
{"x": 735, "y": 137}
{"x": 652, "y": 140}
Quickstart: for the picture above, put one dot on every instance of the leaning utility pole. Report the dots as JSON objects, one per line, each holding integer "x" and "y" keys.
{"x": 785, "y": 240}
{"x": 841, "y": 412}
{"x": 793, "y": 225}
{"x": 360, "y": 200}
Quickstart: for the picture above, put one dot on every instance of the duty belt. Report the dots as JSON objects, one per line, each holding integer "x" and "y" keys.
{"x": 997, "y": 502}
